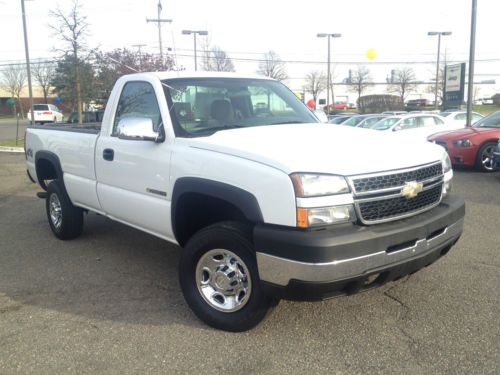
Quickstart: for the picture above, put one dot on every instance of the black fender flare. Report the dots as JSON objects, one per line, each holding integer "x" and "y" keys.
{"x": 241, "y": 199}
{"x": 56, "y": 163}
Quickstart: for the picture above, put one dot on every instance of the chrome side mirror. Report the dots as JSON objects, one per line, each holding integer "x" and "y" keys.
{"x": 139, "y": 129}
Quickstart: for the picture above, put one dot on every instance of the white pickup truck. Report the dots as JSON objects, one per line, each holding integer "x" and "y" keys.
{"x": 266, "y": 202}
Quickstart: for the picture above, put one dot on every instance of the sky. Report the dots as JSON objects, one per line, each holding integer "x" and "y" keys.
{"x": 395, "y": 29}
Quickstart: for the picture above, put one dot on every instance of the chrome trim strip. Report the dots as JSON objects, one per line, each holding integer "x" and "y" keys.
{"x": 280, "y": 271}
{"x": 383, "y": 197}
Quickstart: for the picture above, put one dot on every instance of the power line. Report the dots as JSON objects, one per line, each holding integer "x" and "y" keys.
{"x": 317, "y": 62}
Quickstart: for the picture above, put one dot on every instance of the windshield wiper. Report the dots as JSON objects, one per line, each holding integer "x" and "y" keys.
{"x": 215, "y": 129}
{"x": 288, "y": 122}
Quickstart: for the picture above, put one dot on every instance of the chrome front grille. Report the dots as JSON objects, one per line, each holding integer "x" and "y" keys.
{"x": 378, "y": 197}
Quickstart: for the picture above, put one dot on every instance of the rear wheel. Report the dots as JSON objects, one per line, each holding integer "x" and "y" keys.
{"x": 65, "y": 220}
{"x": 219, "y": 278}
{"x": 484, "y": 160}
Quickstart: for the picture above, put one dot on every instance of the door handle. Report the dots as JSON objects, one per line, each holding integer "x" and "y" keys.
{"x": 108, "y": 154}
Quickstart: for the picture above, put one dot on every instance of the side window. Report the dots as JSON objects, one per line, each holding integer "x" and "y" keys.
{"x": 476, "y": 117}
{"x": 428, "y": 121}
{"x": 409, "y": 123}
{"x": 438, "y": 121}
{"x": 137, "y": 99}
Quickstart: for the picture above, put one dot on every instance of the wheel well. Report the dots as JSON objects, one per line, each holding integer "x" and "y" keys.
{"x": 45, "y": 170}
{"x": 195, "y": 211}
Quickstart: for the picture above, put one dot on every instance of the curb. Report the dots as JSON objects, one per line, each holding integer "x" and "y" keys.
{"x": 12, "y": 149}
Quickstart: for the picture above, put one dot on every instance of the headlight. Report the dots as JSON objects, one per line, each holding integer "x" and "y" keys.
{"x": 310, "y": 217}
{"x": 462, "y": 143}
{"x": 315, "y": 185}
{"x": 446, "y": 162}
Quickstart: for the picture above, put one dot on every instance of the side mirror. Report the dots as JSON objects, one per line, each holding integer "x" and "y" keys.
{"x": 397, "y": 128}
{"x": 139, "y": 129}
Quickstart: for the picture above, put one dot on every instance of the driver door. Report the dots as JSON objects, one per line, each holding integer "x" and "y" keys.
{"x": 133, "y": 175}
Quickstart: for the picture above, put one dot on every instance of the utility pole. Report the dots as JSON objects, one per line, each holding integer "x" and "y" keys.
{"x": 159, "y": 21}
{"x": 139, "y": 46}
{"x": 30, "y": 89}
{"x": 470, "y": 86}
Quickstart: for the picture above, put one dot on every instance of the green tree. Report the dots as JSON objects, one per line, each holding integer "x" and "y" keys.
{"x": 112, "y": 65}
{"x": 63, "y": 82}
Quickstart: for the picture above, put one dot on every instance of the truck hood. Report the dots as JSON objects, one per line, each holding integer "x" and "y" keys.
{"x": 463, "y": 133}
{"x": 320, "y": 148}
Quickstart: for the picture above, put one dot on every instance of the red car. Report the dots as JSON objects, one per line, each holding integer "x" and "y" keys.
{"x": 474, "y": 146}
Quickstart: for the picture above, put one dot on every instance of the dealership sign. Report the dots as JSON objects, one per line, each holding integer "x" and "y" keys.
{"x": 454, "y": 83}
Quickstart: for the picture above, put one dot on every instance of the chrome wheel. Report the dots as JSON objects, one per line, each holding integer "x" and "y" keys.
{"x": 487, "y": 157}
{"x": 223, "y": 280}
{"x": 55, "y": 211}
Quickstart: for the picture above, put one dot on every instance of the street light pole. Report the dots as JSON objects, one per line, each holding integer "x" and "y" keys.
{"x": 470, "y": 86}
{"x": 194, "y": 32}
{"x": 30, "y": 89}
{"x": 328, "y": 36}
{"x": 438, "y": 33}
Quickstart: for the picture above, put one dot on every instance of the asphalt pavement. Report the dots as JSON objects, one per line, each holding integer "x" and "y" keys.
{"x": 109, "y": 303}
{"x": 8, "y": 129}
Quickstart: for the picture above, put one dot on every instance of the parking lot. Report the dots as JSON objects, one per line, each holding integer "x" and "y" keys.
{"x": 110, "y": 302}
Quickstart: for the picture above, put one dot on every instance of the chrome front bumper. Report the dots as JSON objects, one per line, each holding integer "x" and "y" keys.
{"x": 280, "y": 271}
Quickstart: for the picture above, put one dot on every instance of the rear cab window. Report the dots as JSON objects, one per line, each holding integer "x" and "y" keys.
{"x": 40, "y": 107}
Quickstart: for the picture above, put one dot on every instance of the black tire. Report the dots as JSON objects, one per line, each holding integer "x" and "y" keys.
{"x": 234, "y": 237}
{"x": 487, "y": 148}
{"x": 70, "y": 224}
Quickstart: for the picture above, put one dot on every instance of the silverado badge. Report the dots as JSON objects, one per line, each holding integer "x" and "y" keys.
{"x": 411, "y": 189}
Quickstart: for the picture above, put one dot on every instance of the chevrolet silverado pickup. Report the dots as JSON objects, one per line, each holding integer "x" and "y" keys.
{"x": 266, "y": 202}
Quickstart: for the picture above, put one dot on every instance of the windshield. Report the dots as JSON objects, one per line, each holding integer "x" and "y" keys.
{"x": 353, "y": 121}
{"x": 444, "y": 114}
{"x": 338, "y": 120}
{"x": 386, "y": 123}
{"x": 203, "y": 106}
{"x": 370, "y": 121}
{"x": 491, "y": 121}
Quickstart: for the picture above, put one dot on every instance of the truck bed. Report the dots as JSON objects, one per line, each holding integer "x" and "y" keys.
{"x": 92, "y": 128}
{"x": 74, "y": 146}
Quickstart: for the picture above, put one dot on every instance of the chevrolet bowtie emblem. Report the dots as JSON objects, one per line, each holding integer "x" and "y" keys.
{"x": 411, "y": 189}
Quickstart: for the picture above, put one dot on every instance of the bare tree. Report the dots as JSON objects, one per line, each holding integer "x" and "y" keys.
{"x": 218, "y": 61}
{"x": 360, "y": 80}
{"x": 72, "y": 29}
{"x": 402, "y": 82}
{"x": 315, "y": 83}
{"x": 43, "y": 73}
{"x": 13, "y": 81}
{"x": 272, "y": 66}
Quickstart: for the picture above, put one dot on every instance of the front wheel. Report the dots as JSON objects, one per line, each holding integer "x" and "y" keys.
{"x": 219, "y": 278}
{"x": 484, "y": 160}
{"x": 65, "y": 220}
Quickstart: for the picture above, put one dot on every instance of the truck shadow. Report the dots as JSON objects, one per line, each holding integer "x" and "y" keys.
{"x": 114, "y": 273}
